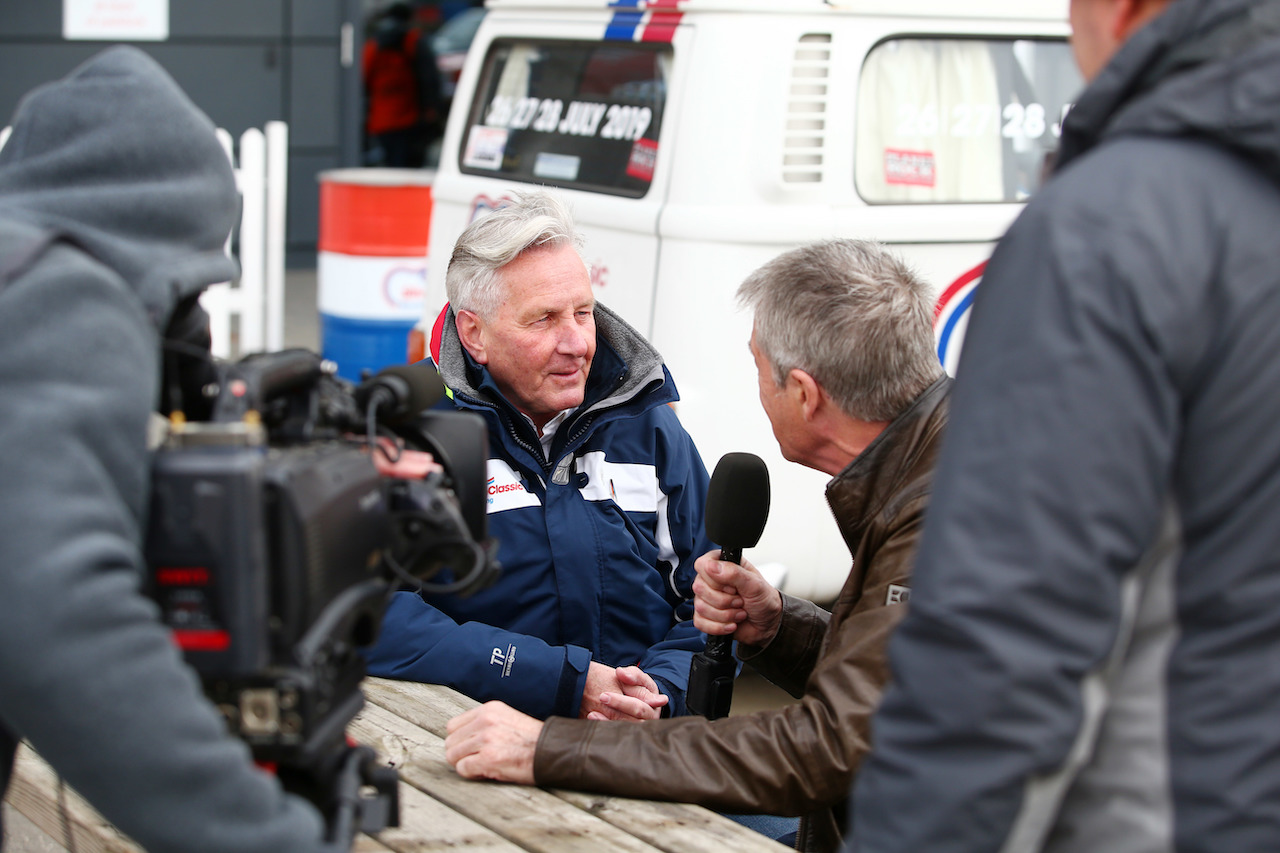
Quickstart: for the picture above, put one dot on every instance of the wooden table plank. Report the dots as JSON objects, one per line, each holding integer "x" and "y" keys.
{"x": 672, "y": 827}
{"x": 428, "y": 824}
{"x": 430, "y": 706}
{"x": 531, "y": 818}
{"x": 33, "y": 790}
{"x": 406, "y": 722}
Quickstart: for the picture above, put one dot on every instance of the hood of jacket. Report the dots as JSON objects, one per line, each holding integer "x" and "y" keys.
{"x": 1206, "y": 69}
{"x": 625, "y": 367}
{"x": 117, "y": 159}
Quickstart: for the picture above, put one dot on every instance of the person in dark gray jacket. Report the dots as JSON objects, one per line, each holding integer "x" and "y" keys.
{"x": 115, "y": 202}
{"x": 1092, "y": 657}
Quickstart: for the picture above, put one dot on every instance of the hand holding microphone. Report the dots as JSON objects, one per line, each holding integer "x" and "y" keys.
{"x": 735, "y": 600}
{"x": 737, "y": 508}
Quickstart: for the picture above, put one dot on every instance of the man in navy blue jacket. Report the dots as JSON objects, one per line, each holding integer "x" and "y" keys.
{"x": 596, "y": 492}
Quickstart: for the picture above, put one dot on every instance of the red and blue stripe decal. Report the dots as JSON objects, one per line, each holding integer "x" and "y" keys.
{"x": 951, "y": 316}
{"x": 643, "y": 20}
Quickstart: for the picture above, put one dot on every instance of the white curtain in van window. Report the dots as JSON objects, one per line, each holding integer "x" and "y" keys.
{"x": 934, "y": 104}
{"x": 514, "y": 82}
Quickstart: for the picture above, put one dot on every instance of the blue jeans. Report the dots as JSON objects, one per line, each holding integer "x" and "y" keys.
{"x": 781, "y": 829}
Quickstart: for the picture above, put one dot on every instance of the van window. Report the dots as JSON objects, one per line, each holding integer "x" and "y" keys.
{"x": 960, "y": 120}
{"x": 584, "y": 115}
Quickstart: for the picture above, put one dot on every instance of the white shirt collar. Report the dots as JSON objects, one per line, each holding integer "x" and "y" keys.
{"x": 549, "y": 429}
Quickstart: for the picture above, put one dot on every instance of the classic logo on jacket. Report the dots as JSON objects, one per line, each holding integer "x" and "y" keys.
{"x": 505, "y": 490}
{"x": 898, "y": 594}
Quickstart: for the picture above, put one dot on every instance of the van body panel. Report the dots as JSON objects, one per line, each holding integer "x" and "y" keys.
{"x": 755, "y": 154}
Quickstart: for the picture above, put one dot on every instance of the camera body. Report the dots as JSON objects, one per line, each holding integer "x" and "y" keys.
{"x": 249, "y": 546}
{"x": 274, "y": 544}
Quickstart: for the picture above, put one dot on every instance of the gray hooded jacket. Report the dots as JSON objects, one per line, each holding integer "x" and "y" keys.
{"x": 115, "y": 200}
{"x": 1092, "y": 657}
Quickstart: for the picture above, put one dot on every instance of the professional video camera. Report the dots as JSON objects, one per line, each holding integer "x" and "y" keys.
{"x": 274, "y": 544}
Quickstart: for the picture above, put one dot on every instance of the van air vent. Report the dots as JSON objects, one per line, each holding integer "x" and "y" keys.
{"x": 806, "y": 122}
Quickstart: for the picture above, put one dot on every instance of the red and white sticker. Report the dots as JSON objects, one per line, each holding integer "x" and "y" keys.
{"x": 485, "y": 147}
{"x": 909, "y": 168}
{"x": 644, "y": 157}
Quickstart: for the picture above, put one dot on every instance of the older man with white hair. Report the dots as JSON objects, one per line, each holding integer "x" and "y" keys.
{"x": 596, "y": 492}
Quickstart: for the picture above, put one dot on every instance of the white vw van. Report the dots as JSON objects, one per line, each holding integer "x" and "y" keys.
{"x": 696, "y": 139}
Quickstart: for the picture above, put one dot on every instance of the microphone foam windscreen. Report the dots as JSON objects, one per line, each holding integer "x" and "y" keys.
{"x": 738, "y": 500}
{"x": 425, "y": 386}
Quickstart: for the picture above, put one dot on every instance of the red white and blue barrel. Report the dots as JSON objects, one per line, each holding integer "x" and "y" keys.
{"x": 372, "y": 266}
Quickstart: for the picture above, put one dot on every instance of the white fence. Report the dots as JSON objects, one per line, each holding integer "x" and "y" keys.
{"x": 247, "y": 315}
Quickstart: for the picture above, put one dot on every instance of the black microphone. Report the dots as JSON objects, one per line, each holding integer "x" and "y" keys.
{"x": 401, "y": 391}
{"x": 737, "y": 508}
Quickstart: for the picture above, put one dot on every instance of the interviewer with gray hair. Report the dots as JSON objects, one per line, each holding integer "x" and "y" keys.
{"x": 853, "y": 316}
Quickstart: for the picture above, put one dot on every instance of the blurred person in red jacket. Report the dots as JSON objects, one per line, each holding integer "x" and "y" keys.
{"x": 403, "y": 113}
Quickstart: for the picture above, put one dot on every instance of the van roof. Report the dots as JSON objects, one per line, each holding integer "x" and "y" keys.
{"x": 1047, "y": 10}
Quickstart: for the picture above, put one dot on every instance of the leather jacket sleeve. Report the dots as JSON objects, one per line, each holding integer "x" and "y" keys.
{"x": 787, "y": 761}
{"x": 789, "y": 658}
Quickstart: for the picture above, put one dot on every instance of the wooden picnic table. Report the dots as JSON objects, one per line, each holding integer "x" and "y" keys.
{"x": 405, "y": 723}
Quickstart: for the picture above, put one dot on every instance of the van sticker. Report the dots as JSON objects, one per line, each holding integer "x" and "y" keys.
{"x": 644, "y": 20}
{"x": 583, "y": 118}
{"x": 624, "y": 122}
{"x": 599, "y": 274}
{"x": 485, "y": 147}
{"x": 971, "y": 120}
{"x": 557, "y": 167}
{"x": 644, "y": 157}
{"x": 482, "y": 204}
{"x": 580, "y": 118}
{"x": 911, "y": 168}
{"x": 951, "y": 316}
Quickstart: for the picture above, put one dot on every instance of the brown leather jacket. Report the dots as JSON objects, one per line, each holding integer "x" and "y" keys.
{"x": 799, "y": 759}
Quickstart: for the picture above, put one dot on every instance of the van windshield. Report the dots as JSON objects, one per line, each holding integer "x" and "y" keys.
{"x": 960, "y": 120}
{"x": 585, "y": 115}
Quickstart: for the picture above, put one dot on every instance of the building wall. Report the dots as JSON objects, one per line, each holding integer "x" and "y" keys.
{"x": 244, "y": 62}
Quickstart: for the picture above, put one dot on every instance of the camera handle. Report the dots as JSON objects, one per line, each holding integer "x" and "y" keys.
{"x": 356, "y": 809}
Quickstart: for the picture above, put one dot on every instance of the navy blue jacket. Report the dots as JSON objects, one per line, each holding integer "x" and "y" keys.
{"x": 597, "y": 543}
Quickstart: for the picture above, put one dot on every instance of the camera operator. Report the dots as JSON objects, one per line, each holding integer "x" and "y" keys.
{"x": 115, "y": 202}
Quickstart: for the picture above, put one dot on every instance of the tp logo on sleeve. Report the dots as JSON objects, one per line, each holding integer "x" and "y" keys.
{"x": 503, "y": 659}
